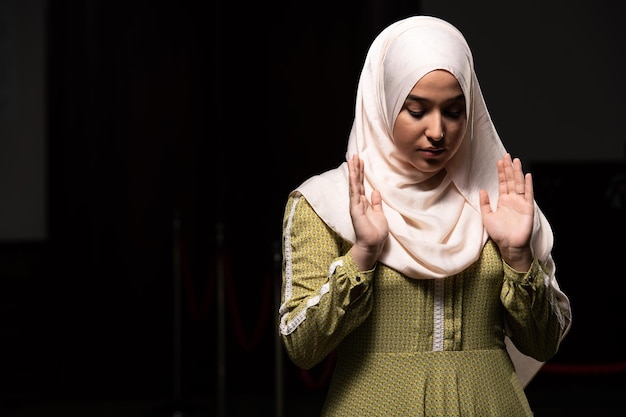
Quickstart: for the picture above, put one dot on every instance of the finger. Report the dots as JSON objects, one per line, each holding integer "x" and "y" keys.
{"x": 355, "y": 166}
{"x": 352, "y": 172}
{"x": 377, "y": 201}
{"x": 509, "y": 175}
{"x": 502, "y": 185}
{"x": 529, "y": 191}
{"x": 518, "y": 175}
{"x": 485, "y": 206}
{"x": 360, "y": 169}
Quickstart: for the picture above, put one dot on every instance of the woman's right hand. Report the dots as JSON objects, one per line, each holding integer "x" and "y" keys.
{"x": 369, "y": 221}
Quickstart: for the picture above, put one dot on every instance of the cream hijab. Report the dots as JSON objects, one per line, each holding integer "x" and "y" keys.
{"x": 434, "y": 233}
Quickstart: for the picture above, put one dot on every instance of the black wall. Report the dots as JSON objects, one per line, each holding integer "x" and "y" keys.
{"x": 207, "y": 115}
{"x": 159, "y": 112}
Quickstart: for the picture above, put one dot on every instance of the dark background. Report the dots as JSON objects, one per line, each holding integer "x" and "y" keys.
{"x": 175, "y": 130}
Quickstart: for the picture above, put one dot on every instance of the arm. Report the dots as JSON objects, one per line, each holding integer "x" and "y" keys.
{"x": 324, "y": 296}
{"x": 537, "y": 316}
{"x": 537, "y": 313}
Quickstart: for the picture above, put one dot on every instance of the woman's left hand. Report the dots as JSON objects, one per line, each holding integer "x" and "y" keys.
{"x": 511, "y": 224}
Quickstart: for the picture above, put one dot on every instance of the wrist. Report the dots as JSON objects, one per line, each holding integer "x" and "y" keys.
{"x": 518, "y": 259}
{"x": 364, "y": 258}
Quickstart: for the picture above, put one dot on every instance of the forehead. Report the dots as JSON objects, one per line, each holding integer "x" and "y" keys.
{"x": 439, "y": 83}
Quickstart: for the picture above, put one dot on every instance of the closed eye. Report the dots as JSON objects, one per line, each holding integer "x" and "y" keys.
{"x": 456, "y": 114}
{"x": 417, "y": 114}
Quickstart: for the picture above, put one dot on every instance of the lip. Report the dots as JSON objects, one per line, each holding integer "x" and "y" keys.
{"x": 432, "y": 152}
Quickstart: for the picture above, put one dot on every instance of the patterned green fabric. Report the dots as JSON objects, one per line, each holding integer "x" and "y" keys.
{"x": 382, "y": 325}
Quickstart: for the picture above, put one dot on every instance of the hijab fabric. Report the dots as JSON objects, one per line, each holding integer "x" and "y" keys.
{"x": 434, "y": 232}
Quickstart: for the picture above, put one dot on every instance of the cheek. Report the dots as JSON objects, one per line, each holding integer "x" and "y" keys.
{"x": 404, "y": 131}
{"x": 456, "y": 137}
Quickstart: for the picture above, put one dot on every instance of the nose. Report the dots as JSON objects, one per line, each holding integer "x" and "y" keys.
{"x": 435, "y": 129}
{"x": 437, "y": 138}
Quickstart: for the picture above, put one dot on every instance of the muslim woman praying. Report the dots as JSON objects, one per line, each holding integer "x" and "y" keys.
{"x": 423, "y": 259}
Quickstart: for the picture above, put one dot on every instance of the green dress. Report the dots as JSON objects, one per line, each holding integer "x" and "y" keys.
{"x": 410, "y": 347}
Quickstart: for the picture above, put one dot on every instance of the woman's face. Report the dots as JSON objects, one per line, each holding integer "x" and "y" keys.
{"x": 432, "y": 122}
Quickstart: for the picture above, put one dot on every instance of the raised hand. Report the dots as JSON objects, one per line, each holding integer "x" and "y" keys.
{"x": 510, "y": 225}
{"x": 369, "y": 221}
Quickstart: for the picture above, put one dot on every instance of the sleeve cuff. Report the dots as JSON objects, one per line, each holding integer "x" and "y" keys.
{"x": 355, "y": 276}
{"x": 523, "y": 278}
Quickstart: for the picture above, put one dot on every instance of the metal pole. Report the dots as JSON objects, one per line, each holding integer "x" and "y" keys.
{"x": 278, "y": 353}
{"x": 221, "y": 350}
{"x": 177, "y": 314}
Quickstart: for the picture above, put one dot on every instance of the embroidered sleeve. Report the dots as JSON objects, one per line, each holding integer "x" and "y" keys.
{"x": 324, "y": 296}
{"x": 535, "y": 322}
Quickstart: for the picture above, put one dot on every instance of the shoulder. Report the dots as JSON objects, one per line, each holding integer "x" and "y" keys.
{"x": 299, "y": 209}
{"x": 329, "y": 182}
{"x": 324, "y": 198}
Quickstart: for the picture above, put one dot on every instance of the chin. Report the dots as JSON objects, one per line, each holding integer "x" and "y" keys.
{"x": 430, "y": 165}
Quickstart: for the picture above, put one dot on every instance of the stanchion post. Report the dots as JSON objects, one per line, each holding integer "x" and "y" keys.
{"x": 221, "y": 316}
{"x": 176, "y": 266}
{"x": 278, "y": 354}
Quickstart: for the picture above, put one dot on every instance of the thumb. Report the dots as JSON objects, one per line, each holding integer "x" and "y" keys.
{"x": 377, "y": 201}
{"x": 485, "y": 206}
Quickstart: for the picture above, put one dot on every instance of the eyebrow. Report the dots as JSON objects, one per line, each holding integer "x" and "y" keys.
{"x": 418, "y": 98}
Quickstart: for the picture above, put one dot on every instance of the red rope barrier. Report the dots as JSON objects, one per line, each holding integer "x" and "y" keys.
{"x": 198, "y": 310}
{"x": 324, "y": 375}
{"x": 199, "y": 306}
{"x": 247, "y": 343}
{"x": 584, "y": 369}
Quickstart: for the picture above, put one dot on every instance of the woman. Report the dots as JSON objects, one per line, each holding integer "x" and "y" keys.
{"x": 423, "y": 260}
